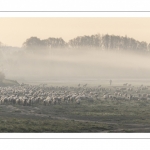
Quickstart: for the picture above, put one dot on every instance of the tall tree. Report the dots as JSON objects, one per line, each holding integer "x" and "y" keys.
{"x": 33, "y": 43}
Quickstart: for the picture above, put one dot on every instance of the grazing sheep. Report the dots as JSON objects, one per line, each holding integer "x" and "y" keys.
{"x": 78, "y": 101}
{"x": 29, "y": 95}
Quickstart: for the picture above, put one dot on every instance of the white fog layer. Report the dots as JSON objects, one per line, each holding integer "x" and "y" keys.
{"x": 75, "y": 63}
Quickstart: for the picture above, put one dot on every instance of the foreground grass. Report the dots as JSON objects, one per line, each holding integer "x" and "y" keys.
{"x": 99, "y": 116}
{"x": 45, "y": 125}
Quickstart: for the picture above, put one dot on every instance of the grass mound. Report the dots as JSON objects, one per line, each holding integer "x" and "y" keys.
{"x": 7, "y": 82}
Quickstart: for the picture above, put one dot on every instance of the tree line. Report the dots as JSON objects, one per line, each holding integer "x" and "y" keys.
{"x": 36, "y": 43}
{"x": 103, "y": 42}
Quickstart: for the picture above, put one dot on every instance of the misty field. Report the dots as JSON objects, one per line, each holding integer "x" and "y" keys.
{"x": 101, "y": 115}
{"x": 76, "y": 82}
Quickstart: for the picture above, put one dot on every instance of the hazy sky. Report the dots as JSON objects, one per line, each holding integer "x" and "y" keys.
{"x": 14, "y": 31}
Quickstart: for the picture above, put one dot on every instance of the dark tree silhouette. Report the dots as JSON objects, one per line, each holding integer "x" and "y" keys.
{"x": 85, "y": 41}
{"x": 109, "y": 42}
{"x": 54, "y": 42}
{"x": 33, "y": 43}
{"x": 102, "y": 42}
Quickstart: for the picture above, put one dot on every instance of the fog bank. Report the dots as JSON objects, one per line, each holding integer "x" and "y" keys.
{"x": 70, "y": 64}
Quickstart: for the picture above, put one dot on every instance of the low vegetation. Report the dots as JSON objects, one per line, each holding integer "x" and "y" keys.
{"x": 99, "y": 116}
{"x": 47, "y": 125}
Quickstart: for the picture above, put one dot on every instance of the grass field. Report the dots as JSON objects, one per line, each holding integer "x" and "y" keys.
{"x": 99, "y": 116}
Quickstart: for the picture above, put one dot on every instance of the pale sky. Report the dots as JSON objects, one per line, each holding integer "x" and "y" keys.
{"x": 15, "y": 31}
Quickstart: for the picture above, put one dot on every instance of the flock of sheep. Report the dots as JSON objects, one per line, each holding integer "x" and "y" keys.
{"x": 28, "y": 95}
